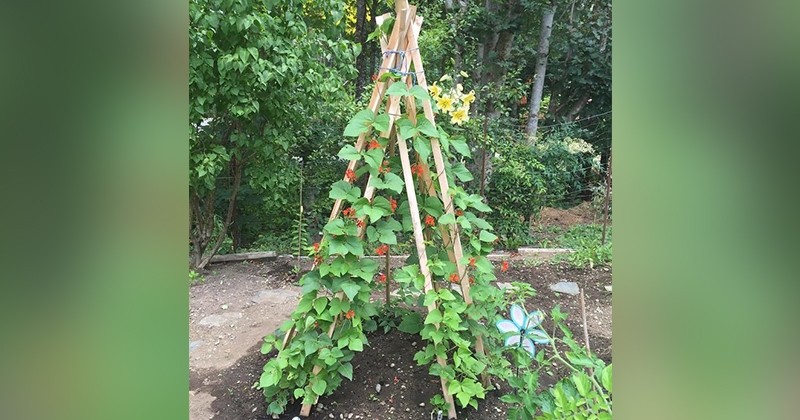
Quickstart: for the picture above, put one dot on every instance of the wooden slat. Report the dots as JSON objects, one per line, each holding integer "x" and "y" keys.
{"x": 455, "y": 239}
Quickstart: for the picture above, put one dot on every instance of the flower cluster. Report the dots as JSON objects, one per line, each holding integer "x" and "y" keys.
{"x": 382, "y": 250}
{"x": 452, "y": 101}
{"x": 350, "y": 175}
{"x": 576, "y": 146}
{"x": 429, "y": 220}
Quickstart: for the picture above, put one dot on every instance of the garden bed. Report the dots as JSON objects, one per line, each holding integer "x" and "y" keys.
{"x": 224, "y": 390}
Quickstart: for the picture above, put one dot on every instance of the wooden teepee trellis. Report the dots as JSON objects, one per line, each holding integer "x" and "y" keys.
{"x": 400, "y": 53}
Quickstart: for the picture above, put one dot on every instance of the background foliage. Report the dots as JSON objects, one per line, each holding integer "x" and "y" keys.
{"x": 273, "y": 83}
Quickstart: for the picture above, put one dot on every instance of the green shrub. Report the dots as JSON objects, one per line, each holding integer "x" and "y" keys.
{"x": 515, "y": 191}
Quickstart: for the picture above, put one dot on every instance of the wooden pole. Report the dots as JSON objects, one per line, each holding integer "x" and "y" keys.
{"x": 605, "y": 207}
{"x": 444, "y": 188}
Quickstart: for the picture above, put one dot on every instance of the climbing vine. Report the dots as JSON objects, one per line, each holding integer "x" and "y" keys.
{"x": 328, "y": 326}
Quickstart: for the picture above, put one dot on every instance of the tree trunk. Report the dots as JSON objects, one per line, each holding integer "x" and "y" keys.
{"x": 237, "y": 181}
{"x": 361, "y": 38}
{"x": 541, "y": 68}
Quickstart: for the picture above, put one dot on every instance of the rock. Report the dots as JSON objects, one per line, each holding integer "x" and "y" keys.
{"x": 224, "y": 307}
{"x": 194, "y": 344}
{"x": 378, "y": 388}
{"x": 503, "y": 285}
{"x": 350, "y": 416}
{"x": 330, "y": 415}
{"x": 568, "y": 287}
{"x": 391, "y": 365}
{"x": 608, "y": 288}
{"x": 217, "y": 320}
{"x": 422, "y": 404}
{"x": 414, "y": 343}
{"x": 295, "y": 418}
{"x": 407, "y": 409}
{"x": 320, "y": 407}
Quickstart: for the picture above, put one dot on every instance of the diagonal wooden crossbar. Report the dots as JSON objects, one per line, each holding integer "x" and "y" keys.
{"x": 404, "y": 37}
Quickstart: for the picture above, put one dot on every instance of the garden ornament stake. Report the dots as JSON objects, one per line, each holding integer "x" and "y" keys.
{"x": 522, "y": 329}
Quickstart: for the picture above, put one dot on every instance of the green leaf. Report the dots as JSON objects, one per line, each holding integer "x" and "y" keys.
{"x": 350, "y": 289}
{"x": 434, "y": 317}
{"x": 381, "y": 123}
{"x": 605, "y": 378}
{"x": 346, "y": 370}
{"x": 447, "y": 219}
{"x": 359, "y": 123}
{"x": 426, "y": 127}
{"x": 487, "y": 236}
{"x": 319, "y": 386}
{"x": 349, "y": 152}
{"x": 356, "y": 344}
{"x": 420, "y": 93}
{"x": 422, "y": 146}
{"x": 411, "y": 324}
{"x": 406, "y": 129}
{"x": 320, "y": 304}
{"x": 390, "y": 181}
{"x": 433, "y": 206}
{"x": 397, "y": 89}
{"x": 334, "y": 227}
{"x": 461, "y": 146}
{"x": 461, "y": 171}
{"x": 374, "y": 158}
{"x": 342, "y": 190}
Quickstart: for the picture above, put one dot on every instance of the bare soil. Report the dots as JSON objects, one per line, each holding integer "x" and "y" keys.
{"x": 227, "y": 362}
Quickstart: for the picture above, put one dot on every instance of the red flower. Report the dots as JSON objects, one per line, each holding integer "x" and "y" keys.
{"x": 429, "y": 220}
{"x": 348, "y": 212}
{"x": 350, "y": 314}
{"x": 374, "y": 77}
{"x": 374, "y": 144}
{"x": 454, "y": 278}
{"x": 318, "y": 260}
{"x": 472, "y": 262}
{"x": 459, "y": 212}
{"x": 349, "y": 175}
{"x": 385, "y": 169}
{"x": 393, "y": 203}
{"x": 472, "y": 280}
{"x": 360, "y": 223}
{"x": 417, "y": 170}
{"x": 316, "y": 247}
{"x": 381, "y": 278}
{"x": 504, "y": 266}
{"x": 523, "y": 100}
{"x": 382, "y": 250}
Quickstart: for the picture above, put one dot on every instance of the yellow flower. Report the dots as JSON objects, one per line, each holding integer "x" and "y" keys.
{"x": 435, "y": 90}
{"x": 459, "y": 88}
{"x": 445, "y": 103}
{"x": 459, "y": 116}
{"x": 469, "y": 98}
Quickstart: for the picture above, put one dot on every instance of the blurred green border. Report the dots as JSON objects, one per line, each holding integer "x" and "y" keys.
{"x": 95, "y": 308}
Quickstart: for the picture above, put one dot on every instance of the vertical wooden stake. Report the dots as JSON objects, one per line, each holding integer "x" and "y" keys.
{"x": 388, "y": 279}
{"x": 605, "y": 207}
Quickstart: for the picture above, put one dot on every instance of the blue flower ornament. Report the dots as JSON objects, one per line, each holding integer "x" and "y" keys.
{"x": 523, "y": 326}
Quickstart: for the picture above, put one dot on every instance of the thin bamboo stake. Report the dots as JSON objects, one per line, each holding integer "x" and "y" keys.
{"x": 444, "y": 189}
{"x": 605, "y": 207}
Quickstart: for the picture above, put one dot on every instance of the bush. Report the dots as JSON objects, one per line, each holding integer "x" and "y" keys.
{"x": 515, "y": 192}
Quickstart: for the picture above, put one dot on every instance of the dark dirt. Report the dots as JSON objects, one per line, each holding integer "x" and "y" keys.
{"x": 229, "y": 393}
